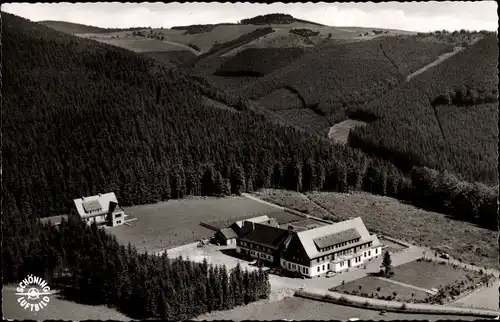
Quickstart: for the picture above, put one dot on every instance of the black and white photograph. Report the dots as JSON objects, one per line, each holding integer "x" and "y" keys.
{"x": 250, "y": 161}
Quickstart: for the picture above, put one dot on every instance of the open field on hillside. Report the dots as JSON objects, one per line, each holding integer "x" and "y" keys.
{"x": 387, "y": 216}
{"x": 339, "y": 133}
{"x": 138, "y": 44}
{"x": 292, "y": 200}
{"x": 462, "y": 140}
{"x": 176, "y": 222}
{"x": 429, "y": 275}
{"x": 369, "y": 285}
{"x": 297, "y": 309}
{"x": 57, "y": 309}
{"x": 282, "y": 217}
{"x": 391, "y": 247}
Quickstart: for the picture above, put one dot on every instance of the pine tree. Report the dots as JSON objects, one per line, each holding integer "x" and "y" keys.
{"x": 387, "y": 264}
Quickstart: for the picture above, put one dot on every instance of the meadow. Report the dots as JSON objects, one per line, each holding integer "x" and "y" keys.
{"x": 177, "y": 222}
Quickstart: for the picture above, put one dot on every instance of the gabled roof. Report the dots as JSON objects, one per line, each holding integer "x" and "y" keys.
{"x": 308, "y": 237}
{"x": 228, "y": 233}
{"x": 255, "y": 219}
{"x": 265, "y": 235}
{"x": 337, "y": 238}
{"x": 102, "y": 199}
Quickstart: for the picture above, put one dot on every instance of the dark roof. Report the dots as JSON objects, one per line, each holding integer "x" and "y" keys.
{"x": 91, "y": 205}
{"x": 228, "y": 233}
{"x": 264, "y": 235}
{"x": 337, "y": 238}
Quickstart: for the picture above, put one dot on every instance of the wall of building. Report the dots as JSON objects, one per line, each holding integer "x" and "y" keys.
{"x": 294, "y": 267}
{"x": 118, "y": 218}
{"x": 256, "y": 254}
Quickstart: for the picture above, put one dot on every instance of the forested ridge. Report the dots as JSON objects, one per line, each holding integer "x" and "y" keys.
{"x": 81, "y": 117}
{"x": 445, "y": 118}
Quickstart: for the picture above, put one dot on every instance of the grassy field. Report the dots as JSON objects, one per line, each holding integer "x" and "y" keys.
{"x": 176, "y": 222}
{"x": 369, "y": 285}
{"x": 292, "y": 200}
{"x": 428, "y": 274}
{"x": 303, "y": 309}
{"x": 57, "y": 309}
{"x": 391, "y": 246}
{"x": 339, "y": 133}
{"x": 388, "y": 216}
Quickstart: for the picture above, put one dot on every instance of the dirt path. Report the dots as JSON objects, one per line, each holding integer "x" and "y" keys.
{"x": 194, "y": 51}
{"x": 438, "y": 61}
{"x": 406, "y": 285}
{"x": 262, "y": 201}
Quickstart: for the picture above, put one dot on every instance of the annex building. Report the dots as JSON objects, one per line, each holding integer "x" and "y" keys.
{"x": 101, "y": 209}
{"x": 333, "y": 247}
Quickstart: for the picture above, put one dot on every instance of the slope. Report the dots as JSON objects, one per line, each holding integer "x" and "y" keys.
{"x": 445, "y": 118}
{"x": 339, "y": 78}
{"x": 76, "y": 28}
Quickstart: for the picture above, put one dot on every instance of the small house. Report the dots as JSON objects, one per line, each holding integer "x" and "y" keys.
{"x": 226, "y": 236}
{"x": 101, "y": 209}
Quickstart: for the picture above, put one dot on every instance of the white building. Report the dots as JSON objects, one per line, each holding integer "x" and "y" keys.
{"x": 101, "y": 209}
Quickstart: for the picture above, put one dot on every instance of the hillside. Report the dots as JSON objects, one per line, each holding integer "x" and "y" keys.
{"x": 76, "y": 28}
{"x": 81, "y": 117}
{"x": 333, "y": 78}
{"x": 452, "y": 122}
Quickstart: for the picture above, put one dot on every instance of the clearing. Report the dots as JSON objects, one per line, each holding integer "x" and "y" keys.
{"x": 177, "y": 222}
{"x": 369, "y": 285}
{"x": 388, "y": 216}
{"x": 282, "y": 217}
{"x": 339, "y": 133}
{"x": 57, "y": 309}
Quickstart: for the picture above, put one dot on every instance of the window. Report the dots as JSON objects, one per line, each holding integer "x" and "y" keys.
{"x": 118, "y": 221}
{"x": 369, "y": 253}
{"x": 289, "y": 266}
{"x": 323, "y": 267}
{"x": 118, "y": 215}
{"x": 328, "y": 267}
{"x": 318, "y": 268}
{"x": 307, "y": 270}
{"x": 376, "y": 250}
{"x": 365, "y": 254}
{"x": 317, "y": 260}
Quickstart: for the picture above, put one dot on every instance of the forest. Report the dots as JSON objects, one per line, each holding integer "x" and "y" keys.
{"x": 81, "y": 118}
{"x": 89, "y": 266}
{"x": 258, "y": 61}
{"x": 348, "y": 75}
{"x": 452, "y": 122}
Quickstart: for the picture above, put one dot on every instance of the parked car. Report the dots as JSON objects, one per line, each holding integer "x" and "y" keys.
{"x": 330, "y": 274}
{"x": 445, "y": 256}
{"x": 254, "y": 262}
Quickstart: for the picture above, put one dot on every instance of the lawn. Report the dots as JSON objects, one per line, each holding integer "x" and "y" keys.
{"x": 369, "y": 285}
{"x": 388, "y": 216}
{"x": 177, "y": 222}
{"x": 428, "y": 274}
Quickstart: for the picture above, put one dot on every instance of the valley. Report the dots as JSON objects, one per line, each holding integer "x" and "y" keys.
{"x": 199, "y": 130}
